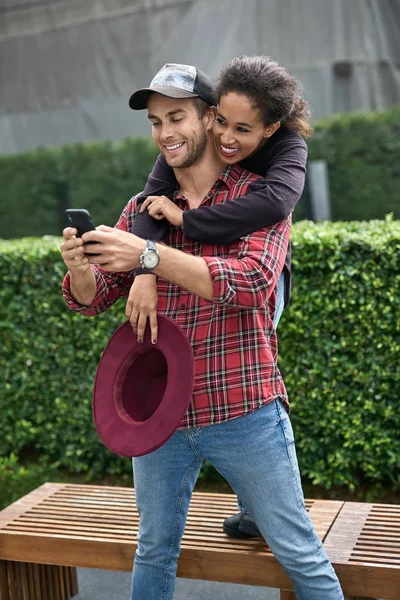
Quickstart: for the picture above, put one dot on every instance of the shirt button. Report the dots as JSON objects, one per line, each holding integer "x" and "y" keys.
{"x": 183, "y": 306}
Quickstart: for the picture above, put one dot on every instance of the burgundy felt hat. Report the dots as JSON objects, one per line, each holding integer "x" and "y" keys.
{"x": 142, "y": 390}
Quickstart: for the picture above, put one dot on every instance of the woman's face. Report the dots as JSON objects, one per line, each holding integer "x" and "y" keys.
{"x": 238, "y": 129}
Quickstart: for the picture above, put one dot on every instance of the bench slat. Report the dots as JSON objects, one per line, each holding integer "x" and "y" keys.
{"x": 364, "y": 546}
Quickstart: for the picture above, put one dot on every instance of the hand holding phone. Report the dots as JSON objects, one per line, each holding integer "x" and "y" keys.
{"x": 82, "y": 221}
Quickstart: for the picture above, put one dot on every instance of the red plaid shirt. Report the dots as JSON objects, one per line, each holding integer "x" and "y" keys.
{"x": 232, "y": 336}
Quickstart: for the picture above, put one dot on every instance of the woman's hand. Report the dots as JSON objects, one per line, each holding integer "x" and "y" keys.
{"x": 161, "y": 207}
{"x": 142, "y": 305}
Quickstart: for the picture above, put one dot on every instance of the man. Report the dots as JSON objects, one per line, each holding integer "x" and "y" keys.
{"x": 220, "y": 296}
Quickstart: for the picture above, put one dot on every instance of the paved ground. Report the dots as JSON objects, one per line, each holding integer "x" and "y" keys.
{"x": 108, "y": 585}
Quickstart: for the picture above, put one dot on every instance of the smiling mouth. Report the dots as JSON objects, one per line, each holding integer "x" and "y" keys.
{"x": 173, "y": 147}
{"x": 228, "y": 151}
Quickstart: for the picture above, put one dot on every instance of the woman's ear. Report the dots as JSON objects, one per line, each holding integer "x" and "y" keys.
{"x": 211, "y": 116}
{"x": 270, "y": 129}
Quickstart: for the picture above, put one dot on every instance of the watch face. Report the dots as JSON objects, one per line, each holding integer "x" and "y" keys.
{"x": 150, "y": 260}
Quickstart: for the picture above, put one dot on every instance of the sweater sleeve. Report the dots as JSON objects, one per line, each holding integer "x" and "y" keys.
{"x": 161, "y": 182}
{"x": 268, "y": 200}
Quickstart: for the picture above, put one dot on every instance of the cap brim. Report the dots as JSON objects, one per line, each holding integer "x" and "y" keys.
{"x": 138, "y": 100}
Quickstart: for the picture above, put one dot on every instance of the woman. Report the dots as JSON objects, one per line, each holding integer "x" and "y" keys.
{"x": 261, "y": 122}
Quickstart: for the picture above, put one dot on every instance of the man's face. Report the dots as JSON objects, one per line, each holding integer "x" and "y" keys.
{"x": 180, "y": 134}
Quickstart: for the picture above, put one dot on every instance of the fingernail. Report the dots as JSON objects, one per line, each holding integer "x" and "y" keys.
{"x": 140, "y": 341}
{"x": 154, "y": 341}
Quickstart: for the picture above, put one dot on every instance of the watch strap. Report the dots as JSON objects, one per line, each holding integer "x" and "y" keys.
{"x": 141, "y": 271}
{"x": 152, "y": 245}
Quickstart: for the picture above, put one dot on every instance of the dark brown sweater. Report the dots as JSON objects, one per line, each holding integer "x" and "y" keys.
{"x": 282, "y": 166}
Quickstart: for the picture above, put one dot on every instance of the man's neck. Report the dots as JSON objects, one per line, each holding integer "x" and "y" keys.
{"x": 196, "y": 181}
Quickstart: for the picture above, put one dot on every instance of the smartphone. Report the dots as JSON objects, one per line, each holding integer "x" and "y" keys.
{"x": 82, "y": 221}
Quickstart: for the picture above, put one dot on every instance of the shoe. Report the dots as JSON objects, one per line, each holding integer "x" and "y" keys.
{"x": 241, "y": 526}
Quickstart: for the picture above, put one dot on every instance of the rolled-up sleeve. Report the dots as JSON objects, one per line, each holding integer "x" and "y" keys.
{"x": 248, "y": 279}
{"x": 109, "y": 288}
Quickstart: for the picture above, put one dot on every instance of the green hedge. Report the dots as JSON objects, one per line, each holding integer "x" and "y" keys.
{"x": 29, "y": 203}
{"x": 339, "y": 344}
{"x": 362, "y": 151}
{"x": 36, "y": 187}
{"x": 48, "y": 360}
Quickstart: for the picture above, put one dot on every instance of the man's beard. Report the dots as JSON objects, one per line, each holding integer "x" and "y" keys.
{"x": 195, "y": 152}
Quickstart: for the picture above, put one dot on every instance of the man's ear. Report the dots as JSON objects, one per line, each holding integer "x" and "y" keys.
{"x": 270, "y": 129}
{"x": 211, "y": 116}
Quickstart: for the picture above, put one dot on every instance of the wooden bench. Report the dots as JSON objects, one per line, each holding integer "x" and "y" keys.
{"x": 58, "y": 527}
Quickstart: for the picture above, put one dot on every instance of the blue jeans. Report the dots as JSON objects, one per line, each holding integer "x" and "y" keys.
{"x": 279, "y": 306}
{"x": 280, "y": 300}
{"x": 256, "y": 455}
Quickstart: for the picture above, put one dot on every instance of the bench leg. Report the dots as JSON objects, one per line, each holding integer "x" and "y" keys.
{"x": 29, "y": 581}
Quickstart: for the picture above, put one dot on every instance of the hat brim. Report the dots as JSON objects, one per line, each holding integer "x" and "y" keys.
{"x": 119, "y": 432}
{"x": 138, "y": 100}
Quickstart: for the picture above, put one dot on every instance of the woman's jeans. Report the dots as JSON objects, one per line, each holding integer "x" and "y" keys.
{"x": 279, "y": 306}
{"x": 256, "y": 455}
{"x": 280, "y": 300}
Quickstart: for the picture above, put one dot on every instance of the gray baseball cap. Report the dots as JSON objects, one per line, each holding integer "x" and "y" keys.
{"x": 176, "y": 81}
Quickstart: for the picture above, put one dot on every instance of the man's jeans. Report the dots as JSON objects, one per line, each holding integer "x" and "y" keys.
{"x": 256, "y": 455}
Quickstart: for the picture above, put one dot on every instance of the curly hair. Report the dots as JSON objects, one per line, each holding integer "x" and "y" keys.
{"x": 274, "y": 91}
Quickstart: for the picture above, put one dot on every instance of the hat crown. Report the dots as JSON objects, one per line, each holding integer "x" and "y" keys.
{"x": 175, "y": 80}
{"x": 175, "y": 75}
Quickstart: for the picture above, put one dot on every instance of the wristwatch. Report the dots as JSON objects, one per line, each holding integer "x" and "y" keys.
{"x": 149, "y": 258}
